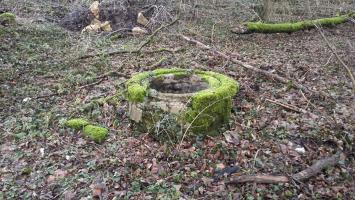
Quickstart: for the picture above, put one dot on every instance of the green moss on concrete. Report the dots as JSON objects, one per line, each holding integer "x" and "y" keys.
{"x": 136, "y": 88}
{"x": 138, "y": 84}
{"x": 96, "y": 133}
{"x": 7, "y": 18}
{"x": 296, "y": 26}
{"x": 212, "y": 107}
{"x": 209, "y": 108}
{"x": 77, "y": 123}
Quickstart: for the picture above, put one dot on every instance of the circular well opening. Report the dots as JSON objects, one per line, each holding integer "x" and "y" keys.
{"x": 178, "y": 84}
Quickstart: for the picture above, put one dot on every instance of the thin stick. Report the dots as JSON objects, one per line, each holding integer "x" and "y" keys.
{"x": 91, "y": 84}
{"x": 260, "y": 179}
{"x": 309, "y": 102}
{"x": 250, "y": 67}
{"x": 288, "y": 106}
{"x": 332, "y": 48}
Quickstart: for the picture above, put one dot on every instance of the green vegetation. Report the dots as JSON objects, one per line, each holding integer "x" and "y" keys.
{"x": 296, "y": 26}
{"x": 96, "y": 133}
{"x": 77, "y": 124}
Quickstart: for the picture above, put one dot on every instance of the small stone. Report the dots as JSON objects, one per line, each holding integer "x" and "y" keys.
{"x": 27, "y": 99}
{"x": 300, "y": 150}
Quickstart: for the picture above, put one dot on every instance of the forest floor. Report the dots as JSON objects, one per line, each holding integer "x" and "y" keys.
{"x": 44, "y": 83}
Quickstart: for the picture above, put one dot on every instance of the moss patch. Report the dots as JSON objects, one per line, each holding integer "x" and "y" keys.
{"x": 7, "y": 18}
{"x": 96, "y": 133}
{"x": 77, "y": 123}
{"x": 296, "y": 26}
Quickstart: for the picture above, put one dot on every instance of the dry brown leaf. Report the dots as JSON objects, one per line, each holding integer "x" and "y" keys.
{"x": 98, "y": 190}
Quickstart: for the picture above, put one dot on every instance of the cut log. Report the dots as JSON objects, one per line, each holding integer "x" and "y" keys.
{"x": 259, "y": 27}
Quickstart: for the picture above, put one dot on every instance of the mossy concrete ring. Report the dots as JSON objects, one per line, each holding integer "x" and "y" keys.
{"x": 173, "y": 101}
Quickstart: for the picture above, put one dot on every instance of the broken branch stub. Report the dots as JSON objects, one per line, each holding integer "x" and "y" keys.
{"x": 171, "y": 102}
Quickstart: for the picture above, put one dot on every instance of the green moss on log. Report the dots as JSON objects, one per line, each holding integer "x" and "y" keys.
{"x": 96, "y": 133}
{"x": 296, "y": 26}
{"x": 77, "y": 123}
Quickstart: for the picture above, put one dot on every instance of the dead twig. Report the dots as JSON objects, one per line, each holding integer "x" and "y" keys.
{"x": 332, "y": 48}
{"x": 288, "y": 106}
{"x": 137, "y": 50}
{"x": 157, "y": 64}
{"x": 269, "y": 75}
{"x": 313, "y": 170}
{"x": 318, "y": 166}
{"x": 308, "y": 101}
{"x": 91, "y": 84}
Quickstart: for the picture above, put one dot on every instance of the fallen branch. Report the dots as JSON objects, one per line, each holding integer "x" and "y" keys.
{"x": 137, "y": 50}
{"x": 318, "y": 166}
{"x": 260, "y": 179}
{"x": 290, "y": 27}
{"x": 247, "y": 66}
{"x": 288, "y": 106}
{"x": 311, "y": 171}
{"x": 332, "y": 48}
{"x": 157, "y": 64}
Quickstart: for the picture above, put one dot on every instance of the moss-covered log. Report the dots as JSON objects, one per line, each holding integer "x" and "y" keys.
{"x": 259, "y": 27}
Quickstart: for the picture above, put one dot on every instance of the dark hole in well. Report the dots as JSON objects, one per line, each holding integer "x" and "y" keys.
{"x": 178, "y": 84}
